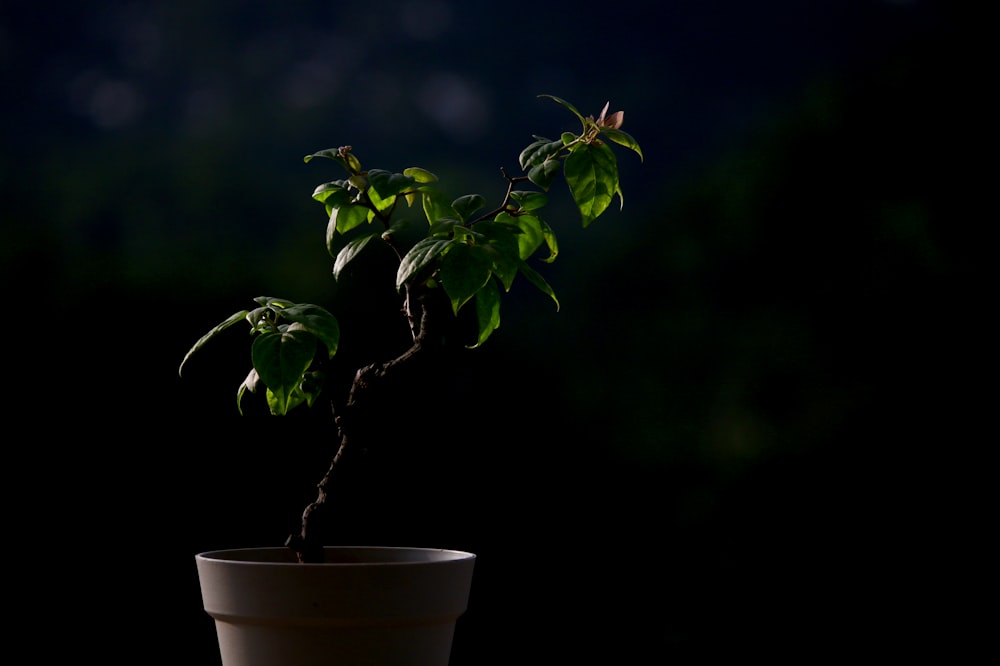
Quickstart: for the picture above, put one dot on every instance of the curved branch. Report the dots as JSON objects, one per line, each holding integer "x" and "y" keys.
{"x": 511, "y": 180}
{"x": 435, "y": 334}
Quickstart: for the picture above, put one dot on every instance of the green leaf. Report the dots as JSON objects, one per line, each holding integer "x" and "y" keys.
{"x": 466, "y": 206}
{"x": 351, "y": 164}
{"x": 258, "y": 317}
{"x": 464, "y": 271}
{"x": 539, "y": 151}
{"x": 544, "y": 174}
{"x": 359, "y": 182}
{"x": 333, "y": 194}
{"x": 312, "y": 385}
{"x": 444, "y": 228}
{"x": 351, "y": 250}
{"x": 502, "y": 237}
{"x": 464, "y": 234}
{"x": 271, "y": 301}
{"x": 567, "y": 105}
{"x": 536, "y": 279}
{"x": 437, "y": 206}
{"x": 550, "y": 240}
{"x": 420, "y": 175}
{"x": 534, "y": 232}
{"x": 232, "y": 319}
{"x": 280, "y": 404}
{"x": 251, "y": 383}
{"x": 281, "y": 359}
{"x": 529, "y": 200}
{"x": 398, "y": 226}
{"x": 592, "y": 176}
{"x": 329, "y": 153}
{"x": 420, "y": 256}
{"x": 622, "y": 139}
{"x": 487, "y": 311}
{"x": 345, "y": 218}
{"x": 529, "y": 236}
{"x": 389, "y": 184}
{"x": 381, "y": 203}
{"x": 318, "y": 321}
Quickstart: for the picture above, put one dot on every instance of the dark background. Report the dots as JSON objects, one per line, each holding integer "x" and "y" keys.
{"x": 740, "y": 433}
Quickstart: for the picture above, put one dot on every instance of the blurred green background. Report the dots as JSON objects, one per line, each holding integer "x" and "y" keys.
{"x": 715, "y": 444}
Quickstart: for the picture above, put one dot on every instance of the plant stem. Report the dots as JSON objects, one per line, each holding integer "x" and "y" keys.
{"x": 511, "y": 180}
{"x": 435, "y": 333}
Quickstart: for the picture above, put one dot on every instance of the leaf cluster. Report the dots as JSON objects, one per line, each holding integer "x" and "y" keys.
{"x": 471, "y": 253}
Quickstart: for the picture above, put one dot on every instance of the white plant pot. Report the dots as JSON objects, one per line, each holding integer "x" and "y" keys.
{"x": 364, "y": 606}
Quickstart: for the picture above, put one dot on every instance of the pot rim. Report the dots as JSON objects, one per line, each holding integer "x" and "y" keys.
{"x": 389, "y": 556}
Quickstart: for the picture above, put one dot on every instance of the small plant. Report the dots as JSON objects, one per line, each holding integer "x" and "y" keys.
{"x": 462, "y": 255}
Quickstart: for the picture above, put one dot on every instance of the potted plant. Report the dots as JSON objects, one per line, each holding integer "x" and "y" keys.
{"x": 451, "y": 271}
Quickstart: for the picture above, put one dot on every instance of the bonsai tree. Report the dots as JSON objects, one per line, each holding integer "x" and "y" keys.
{"x": 451, "y": 272}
